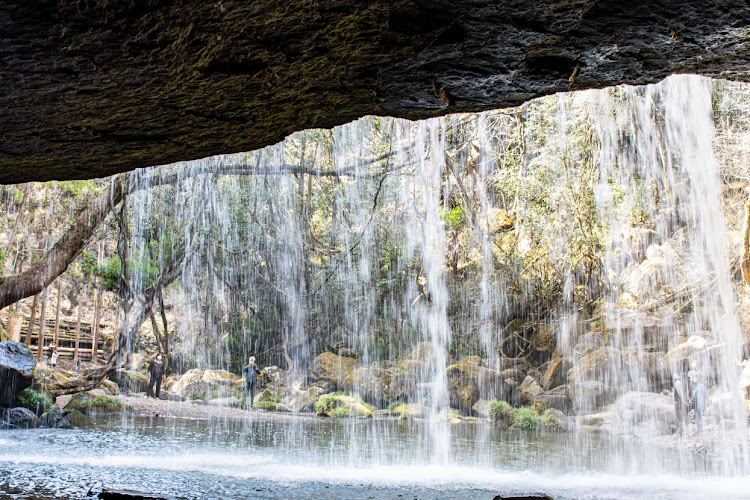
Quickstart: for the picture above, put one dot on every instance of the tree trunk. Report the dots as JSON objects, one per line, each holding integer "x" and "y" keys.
{"x": 78, "y": 334}
{"x": 65, "y": 250}
{"x": 157, "y": 334}
{"x": 745, "y": 262}
{"x": 30, "y": 329}
{"x": 42, "y": 319}
{"x": 57, "y": 314}
{"x": 165, "y": 338}
{"x": 95, "y": 326}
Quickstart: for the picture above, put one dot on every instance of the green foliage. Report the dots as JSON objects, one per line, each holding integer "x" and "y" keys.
{"x": 109, "y": 271}
{"x": 499, "y": 410}
{"x": 35, "y": 401}
{"x": 453, "y": 218}
{"x": 526, "y": 418}
{"x": 394, "y": 404}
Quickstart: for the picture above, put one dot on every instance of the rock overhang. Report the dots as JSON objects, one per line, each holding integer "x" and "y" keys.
{"x": 94, "y": 88}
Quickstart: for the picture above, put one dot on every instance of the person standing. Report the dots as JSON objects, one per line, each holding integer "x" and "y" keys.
{"x": 250, "y": 372}
{"x": 53, "y": 357}
{"x": 679, "y": 397}
{"x": 698, "y": 394}
{"x": 156, "y": 370}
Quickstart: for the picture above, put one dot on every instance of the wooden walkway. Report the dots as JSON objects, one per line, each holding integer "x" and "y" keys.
{"x": 66, "y": 338}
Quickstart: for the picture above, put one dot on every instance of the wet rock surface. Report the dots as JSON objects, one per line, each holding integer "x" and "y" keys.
{"x": 16, "y": 371}
{"x": 95, "y": 88}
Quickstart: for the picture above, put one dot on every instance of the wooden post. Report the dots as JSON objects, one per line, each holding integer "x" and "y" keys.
{"x": 30, "y": 329}
{"x": 57, "y": 314}
{"x": 95, "y": 326}
{"x": 40, "y": 341}
{"x": 78, "y": 334}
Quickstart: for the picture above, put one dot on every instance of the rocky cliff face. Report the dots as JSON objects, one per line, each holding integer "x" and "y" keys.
{"x": 94, "y": 87}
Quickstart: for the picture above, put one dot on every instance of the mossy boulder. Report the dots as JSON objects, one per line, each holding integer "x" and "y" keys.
{"x": 379, "y": 386}
{"x": 206, "y": 385}
{"x": 272, "y": 406}
{"x": 65, "y": 418}
{"x": 601, "y": 365}
{"x": 86, "y": 403}
{"x": 555, "y": 372}
{"x": 543, "y": 343}
{"x": 408, "y": 411}
{"x": 131, "y": 380}
{"x": 331, "y": 368}
{"x": 468, "y": 383}
{"x": 109, "y": 387}
{"x": 529, "y": 389}
{"x": 340, "y": 405}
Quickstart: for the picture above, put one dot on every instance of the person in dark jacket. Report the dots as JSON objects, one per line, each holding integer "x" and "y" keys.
{"x": 680, "y": 398}
{"x": 250, "y": 372}
{"x": 156, "y": 370}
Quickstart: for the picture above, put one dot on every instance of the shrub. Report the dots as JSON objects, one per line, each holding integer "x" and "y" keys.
{"x": 338, "y": 404}
{"x": 35, "y": 401}
{"x": 526, "y": 418}
{"x": 499, "y": 410}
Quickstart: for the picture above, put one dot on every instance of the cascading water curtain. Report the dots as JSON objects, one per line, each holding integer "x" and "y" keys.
{"x": 580, "y": 236}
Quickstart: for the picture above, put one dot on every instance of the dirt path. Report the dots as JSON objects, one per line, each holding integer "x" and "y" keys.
{"x": 149, "y": 407}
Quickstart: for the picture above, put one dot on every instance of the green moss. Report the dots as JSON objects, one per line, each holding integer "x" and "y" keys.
{"x": 102, "y": 403}
{"x": 266, "y": 405}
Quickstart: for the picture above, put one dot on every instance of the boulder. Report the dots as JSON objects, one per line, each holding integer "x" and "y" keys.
{"x": 647, "y": 406}
{"x": 502, "y": 364}
{"x": 131, "y": 380}
{"x": 110, "y": 388}
{"x": 555, "y": 372}
{"x": 303, "y": 400}
{"x": 413, "y": 367}
{"x": 65, "y": 418}
{"x": 588, "y": 395}
{"x": 481, "y": 408}
{"x": 469, "y": 383}
{"x": 472, "y": 360}
{"x": 16, "y": 371}
{"x": 589, "y": 342}
{"x": 331, "y": 368}
{"x": 543, "y": 343}
{"x": 513, "y": 374}
{"x": 562, "y": 422}
{"x": 640, "y": 366}
{"x": 601, "y": 365}
{"x": 18, "y": 418}
{"x": 272, "y": 377}
{"x": 556, "y": 398}
{"x": 211, "y": 384}
{"x": 599, "y": 419}
{"x": 219, "y": 377}
{"x": 529, "y": 389}
{"x": 427, "y": 352}
{"x": 380, "y": 387}
{"x": 409, "y": 411}
{"x": 272, "y": 406}
{"x": 87, "y": 403}
{"x": 171, "y": 396}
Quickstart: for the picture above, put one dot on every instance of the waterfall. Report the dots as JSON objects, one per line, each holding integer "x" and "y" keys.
{"x": 579, "y": 232}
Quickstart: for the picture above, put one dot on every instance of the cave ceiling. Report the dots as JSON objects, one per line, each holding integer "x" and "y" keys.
{"x": 90, "y": 88}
